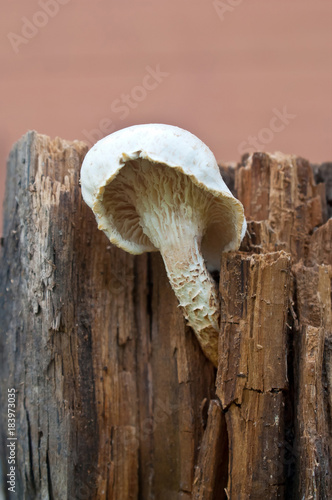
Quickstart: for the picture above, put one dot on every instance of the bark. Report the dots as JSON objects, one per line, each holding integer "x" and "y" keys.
{"x": 114, "y": 397}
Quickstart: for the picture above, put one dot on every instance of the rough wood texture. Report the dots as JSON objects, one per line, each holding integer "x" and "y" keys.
{"x": 115, "y": 399}
{"x": 280, "y": 190}
{"x": 252, "y": 371}
{"x": 109, "y": 380}
{"x": 323, "y": 175}
{"x": 287, "y": 211}
{"x": 320, "y": 248}
{"x": 210, "y": 471}
{"x": 313, "y": 419}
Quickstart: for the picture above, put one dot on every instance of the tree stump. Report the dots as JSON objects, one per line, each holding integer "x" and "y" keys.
{"x": 113, "y": 396}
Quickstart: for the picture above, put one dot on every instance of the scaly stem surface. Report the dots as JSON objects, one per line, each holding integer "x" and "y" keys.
{"x": 197, "y": 294}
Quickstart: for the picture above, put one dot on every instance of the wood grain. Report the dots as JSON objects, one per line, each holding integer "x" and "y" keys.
{"x": 252, "y": 373}
{"x": 115, "y": 399}
{"x": 109, "y": 379}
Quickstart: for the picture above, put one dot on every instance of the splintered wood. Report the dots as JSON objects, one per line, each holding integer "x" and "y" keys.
{"x": 114, "y": 397}
{"x": 286, "y": 211}
{"x": 313, "y": 395}
{"x": 252, "y": 373}
{"x": 280, "y": 190}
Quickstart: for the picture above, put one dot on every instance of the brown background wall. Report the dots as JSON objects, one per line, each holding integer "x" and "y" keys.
{"x": 225, "y": 74}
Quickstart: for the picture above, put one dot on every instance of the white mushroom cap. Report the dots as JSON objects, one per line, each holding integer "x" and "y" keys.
{"x": 172, "y": 147}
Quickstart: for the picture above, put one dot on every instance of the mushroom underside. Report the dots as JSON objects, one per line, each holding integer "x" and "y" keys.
{"x": 177, "y": 208}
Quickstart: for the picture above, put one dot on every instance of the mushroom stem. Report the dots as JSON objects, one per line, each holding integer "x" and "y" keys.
{"x": 173, "y": 213}
{"x": 174, "y": 220}
{"x": 197, "y": 294}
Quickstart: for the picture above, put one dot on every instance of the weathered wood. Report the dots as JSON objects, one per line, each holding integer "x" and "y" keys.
{"x": 320, "y": 246}
{"x": 211, "y": 472}
{"x": 313, "y": 420}
{"x": 108, "y": 378}
{"x": 252, "y": 375}
{"x": 280, "y": 189}
{"x": 288, "y": 209}
{"x": 114, "y": 398}
{"x": 323, "y": 176}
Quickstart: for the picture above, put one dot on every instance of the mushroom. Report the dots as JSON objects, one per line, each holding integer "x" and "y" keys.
{"x": 155, "y": 188}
